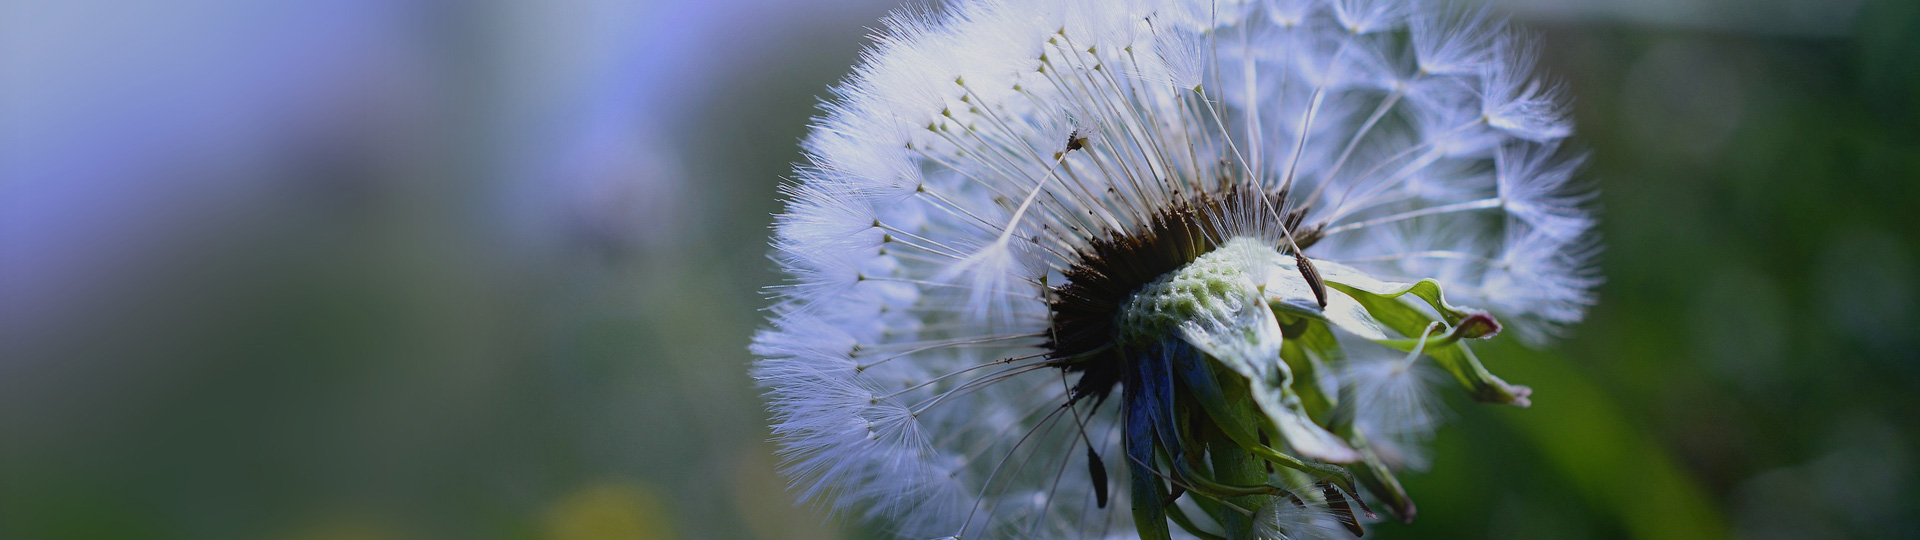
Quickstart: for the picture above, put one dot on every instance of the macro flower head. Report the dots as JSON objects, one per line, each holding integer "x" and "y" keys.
{"x": 1092, "y": 268}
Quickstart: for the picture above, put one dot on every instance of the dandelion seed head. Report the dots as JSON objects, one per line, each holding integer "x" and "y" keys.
{"x": 1021, "y": 227}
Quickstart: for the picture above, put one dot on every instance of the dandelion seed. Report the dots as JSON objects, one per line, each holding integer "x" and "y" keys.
{"x": 1089, "y": 269}
{"x": 1297, "y": 520}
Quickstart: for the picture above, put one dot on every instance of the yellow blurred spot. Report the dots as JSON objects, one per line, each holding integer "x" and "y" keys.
{"x": 764, "y": 501}
{"x": 608, "y": 512}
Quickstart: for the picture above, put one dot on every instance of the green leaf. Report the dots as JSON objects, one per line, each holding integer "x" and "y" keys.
{"x": 1368, "y": 291}
{"x": 1310, "y": 348}
{"x": 1289, "y": 417}
{"x": 1179, "y": 517}
{"x": 1380, "y": 481}
{"x": 1386, "y": 305}
{"x": 1248, "y": 342}
{"x": 1481, "y": 384}
{"x": 1225, "y": 399}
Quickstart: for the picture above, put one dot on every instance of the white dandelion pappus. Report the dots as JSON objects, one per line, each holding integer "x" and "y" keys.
{"x": 1013, "y": 209}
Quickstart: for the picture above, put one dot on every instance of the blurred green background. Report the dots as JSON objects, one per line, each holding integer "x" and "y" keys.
{"x": 410, "y": 270}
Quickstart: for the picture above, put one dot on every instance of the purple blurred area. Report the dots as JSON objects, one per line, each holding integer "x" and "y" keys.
{"x": 133, "y": 128}
{"x": 360, "y": 269}
{"x": 389, "y": 268}
{"x": 129, "y": 129}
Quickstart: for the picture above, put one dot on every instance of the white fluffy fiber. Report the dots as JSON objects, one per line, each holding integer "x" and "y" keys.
{"x": 939, "y": 202}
